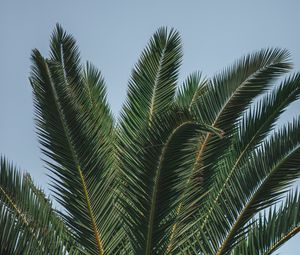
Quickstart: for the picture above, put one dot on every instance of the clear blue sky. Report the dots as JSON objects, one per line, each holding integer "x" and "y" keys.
{"x": 111, "y": 34}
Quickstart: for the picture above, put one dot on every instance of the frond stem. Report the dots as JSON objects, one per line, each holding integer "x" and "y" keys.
{"x": 15, "y": 207}
{"x": 151, "y": 111}
{"x": 283, "y": 239}
{"x": 86, "y": 194}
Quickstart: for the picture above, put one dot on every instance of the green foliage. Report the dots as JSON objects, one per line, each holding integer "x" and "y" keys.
{"x": 192, "y": 169}
{"x": 29, "y": 224}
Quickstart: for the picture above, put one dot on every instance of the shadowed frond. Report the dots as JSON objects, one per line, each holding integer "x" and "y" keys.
{"x": 156, "y": 180}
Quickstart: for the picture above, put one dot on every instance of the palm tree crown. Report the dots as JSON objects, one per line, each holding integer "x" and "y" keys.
{"x": 195, "y": 169}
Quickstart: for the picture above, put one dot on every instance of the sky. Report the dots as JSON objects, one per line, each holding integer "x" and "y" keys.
{"x": 112, "y": 34}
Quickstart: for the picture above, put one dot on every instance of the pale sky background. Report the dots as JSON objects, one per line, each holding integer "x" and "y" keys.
{"x": 112, "y": 34}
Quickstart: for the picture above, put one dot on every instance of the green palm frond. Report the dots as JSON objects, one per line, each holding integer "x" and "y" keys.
{"x": 231, "y": 91}
{"x": 25, "y": 207}
{"x": 152, "y": 85}
{"x": 151, "y": 93}
{"x": 224, "y": 100}
{"x": 272, "y": 229}
{"x": 14, "y": 240}
{"x": 232, "y": 168}
{"x": 157, "y": 180}
{"x": 263, "y": 180}
{"x": 191, "y": 90}
{"x": 75, "y": 116}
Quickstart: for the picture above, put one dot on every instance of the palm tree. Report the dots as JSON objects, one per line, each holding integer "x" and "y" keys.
{"x": 199, "y": 169}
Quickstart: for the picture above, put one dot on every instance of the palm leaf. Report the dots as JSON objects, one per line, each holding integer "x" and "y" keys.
{"x": 30, "y": 224}
{"x": 272, "y": 229}
{"x": 271, "y": 170}
{"x": 259, "y": 123}
{"x": 67, "y": 129}
{"x": 153, "y": 81}
{"x": 158, "y": 179}
{"x": 151, "y": 93}
{"x": 192, "y": 89}
{"x": 226, "y": 97}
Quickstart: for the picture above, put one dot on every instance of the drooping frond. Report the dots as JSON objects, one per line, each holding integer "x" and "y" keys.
{"x": 231, "y": 91}
{"x": 230, "y": 94}
{"x": 29, "y": 224}
{"x": 232, "y": 168}
{"x": 271, "y": 170}
{"x": 223, "y": 102}
{"x": 272, "y": 229}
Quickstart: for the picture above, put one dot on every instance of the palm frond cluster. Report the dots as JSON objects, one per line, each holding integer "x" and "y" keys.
{"x": 193, "y": 169}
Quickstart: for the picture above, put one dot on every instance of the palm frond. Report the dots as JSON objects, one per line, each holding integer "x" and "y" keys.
{"x": 151, "y": 92}
{"x": 262, "y": 182}
{"x": 191, "y": 90}
{"x": 71, "y": 113}
{"x": 29, "y": 221}
{"x": 226, "y": 97}
{"x": 255, "y": 127}
{"x": 156, "y": 179}
{"x": 14, "y": 239}
{"x": 272, "y": 229}
{"x": 153, "y": 81}
{"x": 231, "y": 91}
